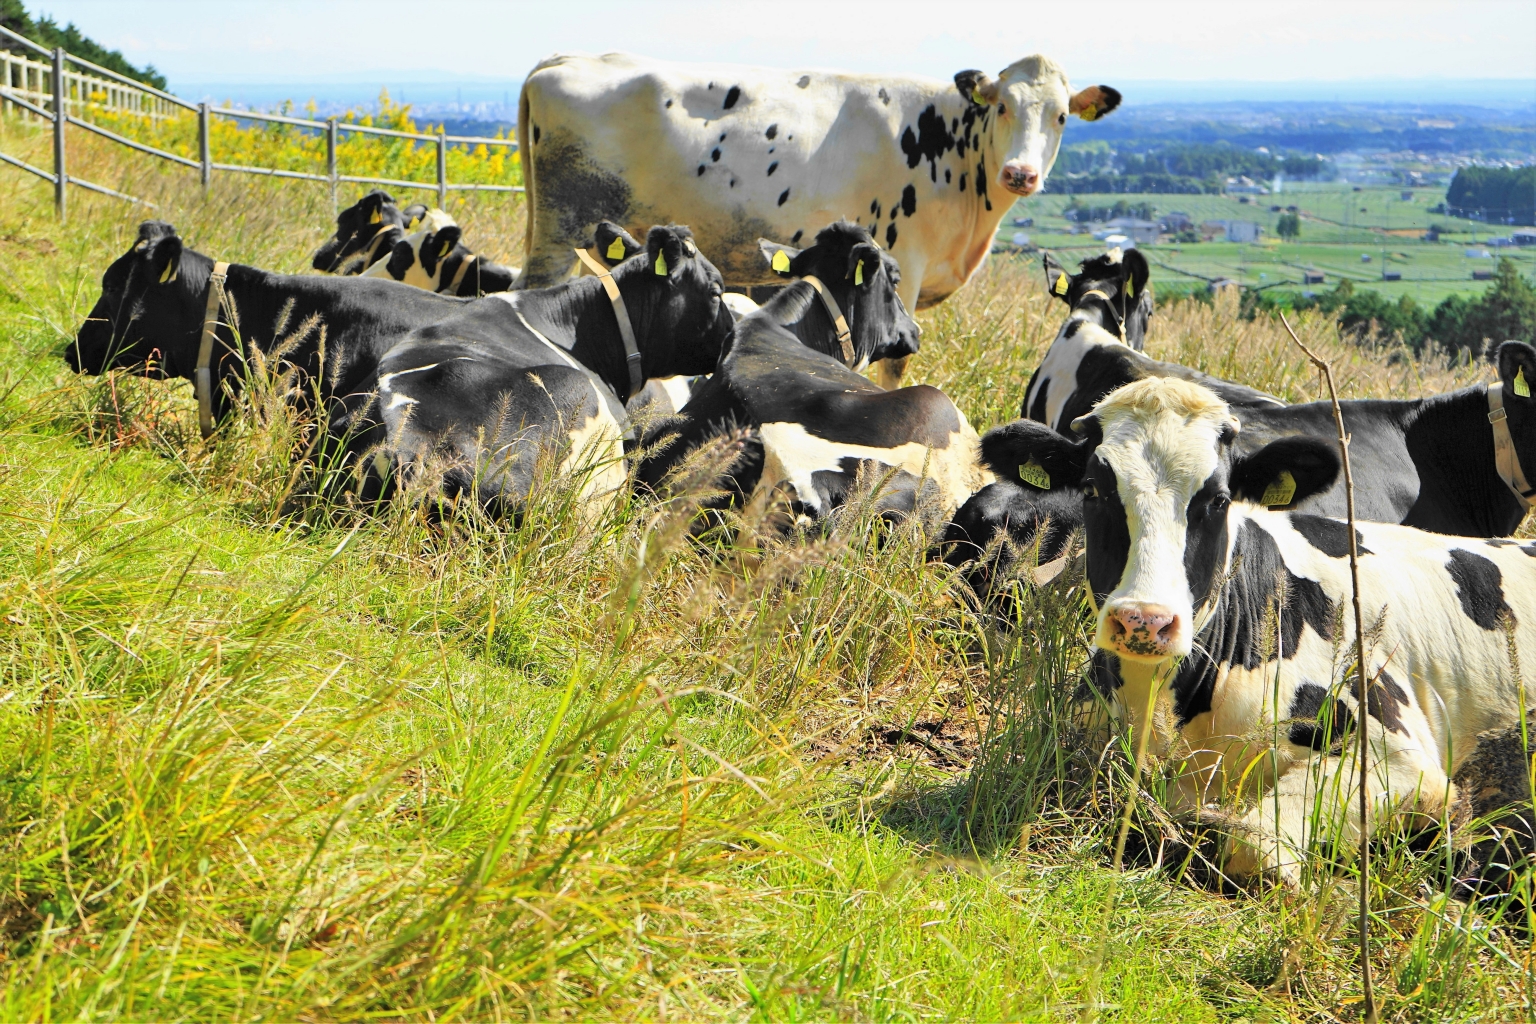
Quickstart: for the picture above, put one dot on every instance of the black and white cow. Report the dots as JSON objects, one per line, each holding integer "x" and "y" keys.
{"x": 434, "y": 257}
{"x": 818, "y": 422}
{"x": 484, "y": 393}
{"x": 930, "y": 167}
{"x": 150, "y": 318}
{"x": 1233, "y": 617}
{"x": 366, "y": 231}
{"x": 1098, "y": 347}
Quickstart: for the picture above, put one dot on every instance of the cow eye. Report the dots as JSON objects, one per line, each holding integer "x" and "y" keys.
{"x": 1090, "y": 490}
{"x": 1002, "y": 108}
{"x": 1061, "y": 118}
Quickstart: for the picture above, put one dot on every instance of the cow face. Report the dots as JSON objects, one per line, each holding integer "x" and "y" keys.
{"x": 1517, "y": 369}
{"x": 1159, "y": 473}
{"x": 863, "y": 279}
{"x": 673, "y": 295}
{"x": 357, "y": 228}
{"x": 1030, "y": 101}
{"x": 1109, "y": 290}
{"x": 148, "y": 316}
{"x": 420, "y": 259}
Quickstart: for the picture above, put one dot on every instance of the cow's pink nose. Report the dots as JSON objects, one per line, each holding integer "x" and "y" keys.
{"x": 1148, "y": 630}
{"x": 1021, "y": 178}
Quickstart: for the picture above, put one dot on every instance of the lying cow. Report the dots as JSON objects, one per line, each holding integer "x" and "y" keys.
{"x": 1240, "y": 614}
{"x": 366, "y": 232}
{"x": 791, "y": 376}
{"x": 929, "y": 167}
{"x": 484, "y": 392}
{"x": 433, "y": 257}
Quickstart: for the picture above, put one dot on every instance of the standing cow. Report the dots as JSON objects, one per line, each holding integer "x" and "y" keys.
{"x": 741, "y": 153}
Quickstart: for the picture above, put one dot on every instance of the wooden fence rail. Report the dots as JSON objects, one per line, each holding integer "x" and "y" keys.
{"x": 52, "y": 93}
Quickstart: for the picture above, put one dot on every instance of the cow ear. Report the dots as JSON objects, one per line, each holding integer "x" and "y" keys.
{"x": 164, "y": 257}
{"x": 371, "y": 206}
{"x": 664, "y": 250}
{"x": 1094, "y": 102}
{"x": 977, "y": 87}
{"x": 1057, "y": 280}
{"x": 1137, "y": 272}
{"x": 779, "y": 257}
{"x": 1033, "y": 454}
{"x": 443, "y": 242}
{"x": 1517, "y": 369}
{"x": 863, "y": 264}
{"x": 614, "y": 244}
{"x": 1285, "y": 472}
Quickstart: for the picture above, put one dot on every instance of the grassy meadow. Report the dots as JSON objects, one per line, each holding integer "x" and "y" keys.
{"x": 256, "y": 767}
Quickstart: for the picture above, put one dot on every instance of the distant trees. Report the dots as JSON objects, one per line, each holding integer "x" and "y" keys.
{"x": 1084, "y": 214}
{"x": 1179, "y": 168}
{"x": 47, "y": 32}
{"x": 1288, "y": 226}
{"x": 1497, "y": 194}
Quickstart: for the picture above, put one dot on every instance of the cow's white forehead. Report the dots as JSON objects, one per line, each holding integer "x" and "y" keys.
{"x": 1036, "y": 75}
{"x": 1162, "y": 437}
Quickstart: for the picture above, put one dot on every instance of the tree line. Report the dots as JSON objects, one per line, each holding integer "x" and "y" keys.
{"x": 1499, "y": 195}
{"x": 1174, "y": 169}
{"x": 46, "y": 32}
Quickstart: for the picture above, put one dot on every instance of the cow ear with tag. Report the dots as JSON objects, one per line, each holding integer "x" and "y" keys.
{"x": 863, "y": 263}
{"x": 977, "y": 87}
{"x": 1094, "y": 102}
{"x": 665, "y": 250}
{"x": 1034, "y": 454}
{"x": 1134, "y": 266}
{"x": 164, "y": 258}
{"x": 1057, "y": 280}
{"x": 436, "y": 247}
{"x": 780, "y": 257}
{"x": 1285, "y": 472}
{"x": 614, "y": 244}
{"x": 1517, "y": 369}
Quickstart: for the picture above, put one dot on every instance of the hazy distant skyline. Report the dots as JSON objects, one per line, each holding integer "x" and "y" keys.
{"x": 1175, "y": 40}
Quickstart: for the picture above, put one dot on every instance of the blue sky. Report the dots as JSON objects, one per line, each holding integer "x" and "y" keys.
{"x": 1297, "y": 41}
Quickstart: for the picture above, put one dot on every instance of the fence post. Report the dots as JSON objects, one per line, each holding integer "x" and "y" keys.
{"x": 442, "y": 171}
{"x": 204, "y": 144}
{"x": 60, "y": 118}
{"x": 330, "y": 158}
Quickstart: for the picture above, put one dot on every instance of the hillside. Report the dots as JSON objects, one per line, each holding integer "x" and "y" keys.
{"x": 334, "y": 767}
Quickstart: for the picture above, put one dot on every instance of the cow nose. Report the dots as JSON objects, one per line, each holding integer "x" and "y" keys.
{"x": 1021, "y": 178}
{"x": 1142, "y": 629}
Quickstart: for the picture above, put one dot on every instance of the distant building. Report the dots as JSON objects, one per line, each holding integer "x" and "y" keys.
{"x": 1478, "y": 254}
{"x": 1243, "y": 231}
{"x": 1222, "y": 284}
{"x": 1211, "y": 229}
{"x": 1312, "y": 277}
{"x": 1175, "y": 222}
{"x": 1143, "y": 232}
{"x": 1391, "y": 275}
{"x": 1365, "y": 257}
{"x": 1482, "y": 275}
{"x": 1244, "y": 185}
{"x": 1407, "y": 196}
{"x": 1525, "y": 237}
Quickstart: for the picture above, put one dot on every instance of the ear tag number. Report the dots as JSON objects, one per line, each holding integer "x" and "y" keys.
{"x": 1061, "y": 285}
{"x": 169, "y": 275}
{"x": 858, "y": 274}
{"x": 376, "y": 218}
{"x": 616, "y": 249}
{"x": 1034, "y": 474}
{"x": 1281, "y": 491}
{"x": 1522, "y": 388}
{"x": 781, "y": 261}
{"x": 661, "y": 264}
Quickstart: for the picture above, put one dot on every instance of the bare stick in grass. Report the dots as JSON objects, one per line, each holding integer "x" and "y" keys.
{"x": 1365, "y": 681}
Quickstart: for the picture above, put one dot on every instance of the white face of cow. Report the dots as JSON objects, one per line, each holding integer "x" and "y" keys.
{"x": 1157, "y": 494}
{"x": 1030, "y": 102}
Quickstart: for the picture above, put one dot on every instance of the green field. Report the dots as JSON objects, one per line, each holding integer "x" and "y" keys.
{"x": 1338, "y": 226}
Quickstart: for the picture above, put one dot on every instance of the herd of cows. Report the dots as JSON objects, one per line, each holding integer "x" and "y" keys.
{"x": 1216, "y": 561}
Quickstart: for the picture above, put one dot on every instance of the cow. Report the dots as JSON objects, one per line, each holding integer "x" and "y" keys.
{"x": 474, "y": 399}
{"x": 929, "y": 167}
{"x": 791, "y": 377}
{"x": 366, "y": 232}
{"x": 434, "y": 257}
{"x": 1234, "y": 619}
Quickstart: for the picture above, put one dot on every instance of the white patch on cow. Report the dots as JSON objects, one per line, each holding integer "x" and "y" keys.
{"x": 793, "y": 455}
{"x": 1058, "y": 371}
{"x": 432, "y": 221}
{"x": 661, "y": 396}
{"x": 739, "y": 305}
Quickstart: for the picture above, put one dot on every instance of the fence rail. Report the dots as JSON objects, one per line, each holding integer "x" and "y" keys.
{"x": 52, "y": 93}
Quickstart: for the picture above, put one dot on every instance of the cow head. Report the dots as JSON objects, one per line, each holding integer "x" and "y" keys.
{"x": 434, "y": 258}
{"x": 149, "y": 316}
{"x": 863, "y": 280}
{"x": 1109, "y": 290}
{"x": 357, "y": 240}
{"x": 1517, "y": 369}
{"x": 673, "y": 297}
{"x": 1023, "y": 112}
{"x": 1159, "y": 473}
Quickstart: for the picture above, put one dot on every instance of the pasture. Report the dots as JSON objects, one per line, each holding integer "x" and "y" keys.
{"x": 338, "y": 767}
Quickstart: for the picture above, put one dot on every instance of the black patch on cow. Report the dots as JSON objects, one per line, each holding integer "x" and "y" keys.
{"x": 784, "y": 197}
{"x": 715, "y": 156}
{"x": 1386, "y": 701}
{"x": 535, "y": 134}
{"x": 1479, "y": 586}
{"x": 885, "y": 97}
{"x": 773, "y": 130}
{"x": 931, "y": 141}
{"x": 576, "y": 190}
{"x": 669, "y": 104}
{"x": 701, "y": 171}
{"x": 1235, "y": 635}
{"x": 805, "y": 80}
{"x": 1074, "y": 325}
{"x": 772, "y": 167}
{"x": 890, "y": 236}
{"x": 1036, "y": 410}
{"x": 1330, "y": 536}
{"x": 895, "y": 209}
{"x": 731, "y": 96}
{"x": 1530, "y": 549}
{"x": 946, "y": 175}
{"x": 1308, "y": 729}
{"x": 794, "y": 239}
{"x": 962, "y": 181}
{"x": 909, "y": 200}
{"x": 733, "y": 183}
{"x": 1501, "y": 542}
{"x": 874, "y": 207}
{"x": 1103, "y": 676}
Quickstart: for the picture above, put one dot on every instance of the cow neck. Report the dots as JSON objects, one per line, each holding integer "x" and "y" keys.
{"x": 370, "y": 251}
{"x": 621, "y": 317}
{"x": 798, "y": 311}
{"x": 1506, "y": 459}
{"x": 1117, "y": 317}
{"x": 577, "y": 315}
{"x": 1459, "y": 431}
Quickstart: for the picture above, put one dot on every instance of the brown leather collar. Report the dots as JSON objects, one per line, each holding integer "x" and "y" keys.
{"x": 621, "y": 314}
{"x": 202, "y": 380}
{"x": 839, "y": 322}
{"x": 1505, "y": 459}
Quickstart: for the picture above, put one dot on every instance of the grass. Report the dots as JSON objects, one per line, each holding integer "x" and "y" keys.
{"x": 257, "y": 768}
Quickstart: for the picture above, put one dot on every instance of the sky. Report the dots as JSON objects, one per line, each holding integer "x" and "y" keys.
{"x": 494, "y": 44}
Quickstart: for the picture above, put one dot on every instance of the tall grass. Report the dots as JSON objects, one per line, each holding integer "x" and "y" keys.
{"x": 254, "y": 765}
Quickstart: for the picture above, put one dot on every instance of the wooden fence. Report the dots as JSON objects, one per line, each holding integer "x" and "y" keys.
{"x": 55, "y": 94}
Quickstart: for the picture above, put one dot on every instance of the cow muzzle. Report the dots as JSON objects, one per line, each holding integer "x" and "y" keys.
{"x": 1019, "y": 178}
{"x": 1141, "y": 631}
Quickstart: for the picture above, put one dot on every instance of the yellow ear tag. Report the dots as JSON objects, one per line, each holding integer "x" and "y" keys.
{"x": 1281, "y": 492}
{"x": 1522, "y": 388}
{"x": 169, "y": 275}
{"x": 661, "y": 264}
{"x": 1061, "y": 285}
{"x": 377, "y": 218}
{"x": 781, "y": 262}
{"x": 858, "y": 274}
{"x": 444, "y": 250}
{"x": 1089, "y": 112}
{"x": 616, "y": 249}
{"x": 412, "y": 225}
{"x": 1130, "y": 289}
{"x": 1033, "y": 473}
{"x": 976, "y": 98}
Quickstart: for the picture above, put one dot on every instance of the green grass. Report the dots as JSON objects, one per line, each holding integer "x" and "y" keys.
{"x": 360, "y": 768}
